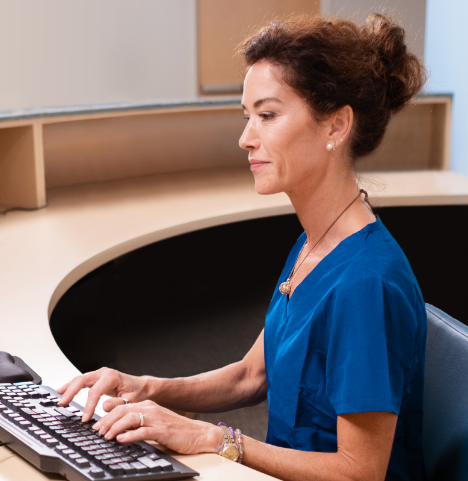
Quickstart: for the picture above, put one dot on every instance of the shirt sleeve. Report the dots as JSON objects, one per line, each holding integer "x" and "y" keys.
{"x": 371, "y": 348}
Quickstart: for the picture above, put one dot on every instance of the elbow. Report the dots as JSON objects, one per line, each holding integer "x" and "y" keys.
{"x": 254, "y": 382}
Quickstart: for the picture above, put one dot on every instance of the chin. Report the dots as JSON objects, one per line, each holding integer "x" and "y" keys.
{"x": 267, "y": 187}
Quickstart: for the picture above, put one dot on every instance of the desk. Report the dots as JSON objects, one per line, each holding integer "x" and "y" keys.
{"x": 43, "y": 253}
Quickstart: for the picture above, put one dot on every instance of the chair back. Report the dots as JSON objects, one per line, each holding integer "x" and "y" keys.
{"x": 445, "y": 426}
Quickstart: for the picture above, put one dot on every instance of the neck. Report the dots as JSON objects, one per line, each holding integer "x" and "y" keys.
{"x": 318, "y": 203}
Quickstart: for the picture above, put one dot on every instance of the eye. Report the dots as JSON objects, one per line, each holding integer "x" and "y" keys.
{"x": 267, "y": 115}
{"x": 246, "y": 118}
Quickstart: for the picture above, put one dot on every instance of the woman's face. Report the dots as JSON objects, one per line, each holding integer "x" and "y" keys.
{"x": 287, "y": 147}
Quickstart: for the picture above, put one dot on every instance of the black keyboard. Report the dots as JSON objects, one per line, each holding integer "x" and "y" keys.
{"x": 54, "y": 439}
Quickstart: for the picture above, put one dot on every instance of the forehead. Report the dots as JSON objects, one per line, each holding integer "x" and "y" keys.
{"x": 264, "y": 80}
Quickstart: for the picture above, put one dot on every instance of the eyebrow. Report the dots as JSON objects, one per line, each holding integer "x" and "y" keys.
{"x": 261, "y": 101}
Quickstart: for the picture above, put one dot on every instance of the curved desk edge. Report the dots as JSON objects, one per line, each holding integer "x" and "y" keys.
{"x": 133, "y": 244}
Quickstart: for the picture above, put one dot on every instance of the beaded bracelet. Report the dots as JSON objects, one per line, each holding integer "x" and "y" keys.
{"x": 239, "y": 444}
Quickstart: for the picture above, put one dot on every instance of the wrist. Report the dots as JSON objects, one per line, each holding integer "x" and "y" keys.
{"x": 213, "y": 438}
{"x": 150, "y": 388}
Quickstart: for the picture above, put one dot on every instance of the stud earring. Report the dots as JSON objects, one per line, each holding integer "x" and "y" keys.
{"x": 331, "y": 146}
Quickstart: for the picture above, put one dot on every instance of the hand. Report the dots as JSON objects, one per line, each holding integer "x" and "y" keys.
{"x": 178, "y": 433}
{"x": 104, "y": 381}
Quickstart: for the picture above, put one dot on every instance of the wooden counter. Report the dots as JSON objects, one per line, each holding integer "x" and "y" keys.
{"x": 44, "y": 252}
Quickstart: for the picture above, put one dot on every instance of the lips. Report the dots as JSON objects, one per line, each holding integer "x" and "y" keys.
{"x": 257, "y": 164}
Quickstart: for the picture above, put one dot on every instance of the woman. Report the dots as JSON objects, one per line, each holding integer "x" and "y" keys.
{"x": 341, "y": 358}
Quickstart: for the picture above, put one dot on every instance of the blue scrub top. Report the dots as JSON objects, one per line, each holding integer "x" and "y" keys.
{"x": 350, "y": 339}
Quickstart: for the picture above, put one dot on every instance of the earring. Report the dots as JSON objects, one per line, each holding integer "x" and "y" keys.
{"x": 330, "y": 146}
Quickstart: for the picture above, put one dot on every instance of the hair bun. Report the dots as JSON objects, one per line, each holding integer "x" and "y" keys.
{"x": 400, "y": 70}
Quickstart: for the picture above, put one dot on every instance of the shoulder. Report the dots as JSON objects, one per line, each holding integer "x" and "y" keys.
{"x": 377, "y": 280}
{"x": 377, "y": 257}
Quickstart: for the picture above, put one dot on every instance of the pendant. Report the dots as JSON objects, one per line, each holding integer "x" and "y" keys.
{"x": 285, "y": 288}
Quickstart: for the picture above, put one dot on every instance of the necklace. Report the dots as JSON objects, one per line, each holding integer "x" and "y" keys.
{"x": 285, "y": 287}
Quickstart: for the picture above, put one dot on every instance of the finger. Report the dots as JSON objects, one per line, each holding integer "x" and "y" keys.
{"x": 131, "y": 420}
{"x": 107, "y": 421}
{"x": 62, "y": 389}
{"x": 76, "y": 385}
{"x": 140, "y": 434}
{"x": 108, "y": 380}
{"x": 111, "y": 404}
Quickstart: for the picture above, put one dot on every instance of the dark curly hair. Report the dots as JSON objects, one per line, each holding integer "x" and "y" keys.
{"x": 333, "y": 62}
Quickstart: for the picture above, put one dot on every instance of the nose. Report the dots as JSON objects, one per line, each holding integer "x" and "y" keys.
{"x": 249, "y": 139}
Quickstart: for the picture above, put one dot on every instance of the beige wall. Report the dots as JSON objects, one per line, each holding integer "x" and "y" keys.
{"x": 222, "y": 24}
{"x": 411, "y": 14}
{"x": 69, "y": 52}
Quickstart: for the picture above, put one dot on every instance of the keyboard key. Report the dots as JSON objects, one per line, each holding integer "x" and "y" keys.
{"x": 64, "y": 411}
{"x": 43, "y": 392}
{"x": 75, "y": 456}
{"x": 140, "y": 468}
{"x": 96, "y": 473}
{"x": 128, "y": 468}
{"x": 153, "y": 456}
{"x": 150, "y": 464}
{"x": 165, "y": 465}
{"x": 61, "y": 447}
{"x": 89, "y": 448}
{"x": 68, "y": 452}
{"x": 115, "y": 470}
{"x": 52, "y": 442}
{"x": 24, "y": 424}
{"x": 82, "y": 462}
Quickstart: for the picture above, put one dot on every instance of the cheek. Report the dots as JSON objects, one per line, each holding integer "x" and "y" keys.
{"x": 293, "y": 150}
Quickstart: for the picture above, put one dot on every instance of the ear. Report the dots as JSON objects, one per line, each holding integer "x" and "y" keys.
{"x": 340, "y": 125}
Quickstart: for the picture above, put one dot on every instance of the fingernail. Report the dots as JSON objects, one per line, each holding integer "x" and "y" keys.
{"x": 102, "y": 431}
{"x": 97, "y": 426}
{"x": 107, "y": 436}
{"x": 121, "y": 437}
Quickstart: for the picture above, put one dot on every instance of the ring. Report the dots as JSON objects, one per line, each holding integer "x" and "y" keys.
{"x": 142, "y": 420}
{"x": 126, "y": 401}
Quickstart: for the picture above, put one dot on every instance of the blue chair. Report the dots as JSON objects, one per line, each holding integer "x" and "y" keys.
{"x": 445, "y": 429}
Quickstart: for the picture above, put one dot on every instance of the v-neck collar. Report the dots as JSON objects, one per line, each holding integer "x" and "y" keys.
{"x": 323, "y": 265}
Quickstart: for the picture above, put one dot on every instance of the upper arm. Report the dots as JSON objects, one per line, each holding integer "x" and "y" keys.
{"x": 365, "y": 442}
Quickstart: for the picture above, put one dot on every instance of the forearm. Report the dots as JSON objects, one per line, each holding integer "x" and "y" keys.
{"x": 224, "y": 389}
{"x": 290, "y": 464}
